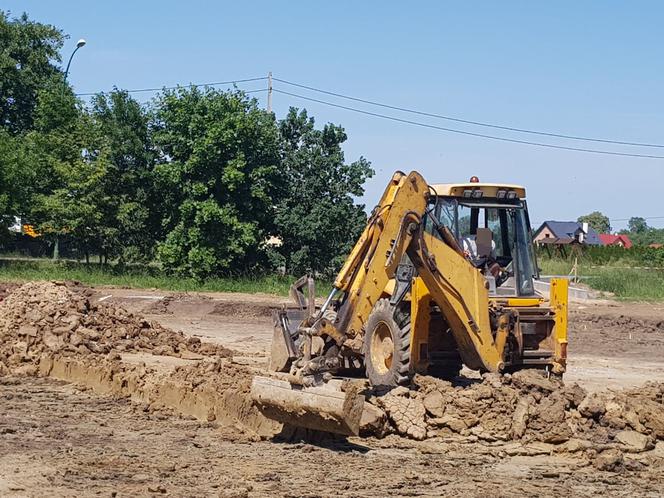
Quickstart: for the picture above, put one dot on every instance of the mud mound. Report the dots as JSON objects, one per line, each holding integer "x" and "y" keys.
{"x": 55, "y": 318}
{"x": 211, "y": 390}
{"x": 244, "y": 310}
{"x": 528, "y": 407}
{"x": 52, "y": 329}
{"x": 582, "y": 321}
{"x": 6, "y": 288}
{"x": 163, "y": 306}
{"x": 159, "y": 307}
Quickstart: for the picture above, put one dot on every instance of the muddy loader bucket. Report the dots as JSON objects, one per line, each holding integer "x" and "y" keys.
{"x": 284, "y": 338}
{"x": 323, "y": 408}
{"x": 283, "y": 397}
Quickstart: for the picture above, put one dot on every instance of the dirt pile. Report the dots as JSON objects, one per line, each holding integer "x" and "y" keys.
{"x": 244, "y": 310}
{"x": 6, "y": 289}
{"x": 527, "y": 407}
{"x": 211, "y": 390}
{"x": 163, "y": 306}
{"x": 53, "y": 329}
{"x": 55, "y": 318}
{"x": 581, "y": 321}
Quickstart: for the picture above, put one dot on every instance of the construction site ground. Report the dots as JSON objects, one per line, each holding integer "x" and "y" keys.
{"x": 70, "y": 439}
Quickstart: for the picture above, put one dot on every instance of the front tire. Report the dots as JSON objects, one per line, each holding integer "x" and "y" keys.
{"x": 387, "y": 347}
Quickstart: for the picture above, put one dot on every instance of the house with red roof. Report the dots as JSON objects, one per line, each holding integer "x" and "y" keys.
{"x": 615, "y": 240}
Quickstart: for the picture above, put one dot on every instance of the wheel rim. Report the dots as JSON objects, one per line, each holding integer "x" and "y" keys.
{"x": 382, "y": 348}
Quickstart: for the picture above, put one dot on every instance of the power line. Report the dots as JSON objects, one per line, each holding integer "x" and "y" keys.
{"x": 472, "y": 134}
{"x": 644, "y": 217}
{"x": 191, "y": 85}
{"x": 256, "y": 90}
{"x": 467, "y": 121}
{"x": 539, "y": 223}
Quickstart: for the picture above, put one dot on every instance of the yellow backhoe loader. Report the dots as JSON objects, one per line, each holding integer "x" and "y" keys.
{"x": 442, "y": 276}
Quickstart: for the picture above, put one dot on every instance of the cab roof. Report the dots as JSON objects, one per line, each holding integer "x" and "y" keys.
{"x": 489, "y": 189}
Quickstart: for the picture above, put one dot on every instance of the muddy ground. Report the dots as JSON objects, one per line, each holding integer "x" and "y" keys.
{"x": 612, "y": 344}
{"x": 60, "y": 440}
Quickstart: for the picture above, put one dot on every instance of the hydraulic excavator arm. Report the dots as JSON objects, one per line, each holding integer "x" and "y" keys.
{"x": 454, "y": 283}
{"x": 396, "y": 229}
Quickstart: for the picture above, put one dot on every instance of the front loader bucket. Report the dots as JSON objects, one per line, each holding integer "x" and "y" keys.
{"x": 286, "y": 322}
{"x": 323, "y": 408}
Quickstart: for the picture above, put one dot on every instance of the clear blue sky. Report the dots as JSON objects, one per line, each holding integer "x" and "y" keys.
{"x": 584, "y": 68}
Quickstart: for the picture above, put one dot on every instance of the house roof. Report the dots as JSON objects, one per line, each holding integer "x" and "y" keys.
{"x": 569, "y": 229}
{"x": 610, "y": 240}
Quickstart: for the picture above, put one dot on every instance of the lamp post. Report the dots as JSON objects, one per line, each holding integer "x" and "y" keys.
{"x": 80, "y": 43}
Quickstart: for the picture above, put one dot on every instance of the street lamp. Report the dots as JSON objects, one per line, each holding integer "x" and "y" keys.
{"x": 79, "y": 44}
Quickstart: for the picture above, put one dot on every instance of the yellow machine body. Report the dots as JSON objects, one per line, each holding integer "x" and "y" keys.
{"x": 424, "y": 290}
{"x": 454, "y": 315}
{"x": 456, "y": 292}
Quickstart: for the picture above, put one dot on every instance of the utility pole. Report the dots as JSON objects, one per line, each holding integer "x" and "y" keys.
{"x": 269, "y": 91}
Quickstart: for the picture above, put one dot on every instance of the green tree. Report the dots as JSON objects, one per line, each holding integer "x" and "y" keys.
{"x": 29, "y": 52}
{"x": 645, "y": 237}
{"x": 599, "y": 222}
{"x": 219, "y": 179}
{"x": 318, "y": 221}
{"x": 68, "y": 197}
{"x": 17, "y": 164}
{"x": 636, "y": 224}
{"x": 130, "y": 219}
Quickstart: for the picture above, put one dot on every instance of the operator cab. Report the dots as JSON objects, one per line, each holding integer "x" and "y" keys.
{"x": 491, "y": 225}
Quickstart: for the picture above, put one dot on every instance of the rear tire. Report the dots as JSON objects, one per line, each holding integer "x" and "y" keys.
{"x": 387, "y": 346}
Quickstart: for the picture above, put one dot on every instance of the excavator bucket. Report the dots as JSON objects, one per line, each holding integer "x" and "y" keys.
{"x": 325, "y": 408}
{"x": 286, "y": 322}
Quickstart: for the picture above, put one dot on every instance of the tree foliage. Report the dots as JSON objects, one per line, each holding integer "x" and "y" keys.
{"x": 29, "y": 52}
{"x": 219, "y": 166}
{"x": 68, "y": 197}
{"x": 636, "y": 224}
{"x": 598, "y": 221}
{"x": 204, "y": 181}
{"x": 317, "y": 219}
{"x": 641, "y": 234}
{"x": 16, "y": 176}
{"x": 131, "y": 215}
